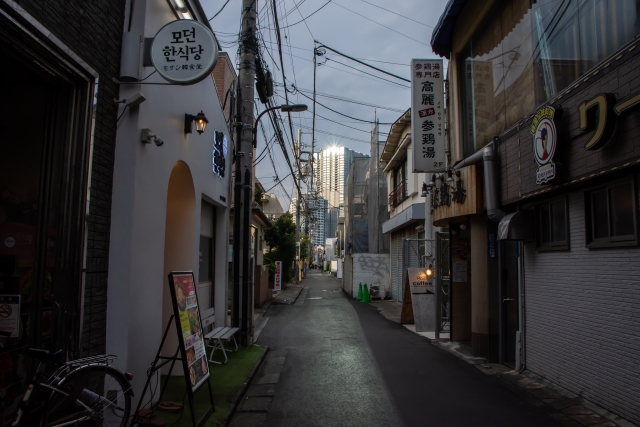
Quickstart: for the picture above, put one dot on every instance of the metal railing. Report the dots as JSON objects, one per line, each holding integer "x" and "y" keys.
{"x": 398, "y": 194}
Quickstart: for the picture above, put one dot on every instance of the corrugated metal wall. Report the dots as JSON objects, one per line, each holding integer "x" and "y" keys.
{"x": 396, "y": 260}
{"x": 583, "y": 318}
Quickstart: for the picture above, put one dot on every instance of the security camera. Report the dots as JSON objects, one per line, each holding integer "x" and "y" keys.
{"x": 133, "y": 101}
{"x": 148, "y": 137}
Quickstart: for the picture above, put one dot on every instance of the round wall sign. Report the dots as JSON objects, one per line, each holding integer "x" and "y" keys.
{"x": 184, "y": 52}
{"x": 545, "y": 140}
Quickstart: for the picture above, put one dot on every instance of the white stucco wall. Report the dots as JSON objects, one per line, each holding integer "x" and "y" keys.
{"x": 137, "y": 271}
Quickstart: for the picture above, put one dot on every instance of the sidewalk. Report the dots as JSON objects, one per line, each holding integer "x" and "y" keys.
{"x": 561, "y": 404}
{"x": 287, "y": 295}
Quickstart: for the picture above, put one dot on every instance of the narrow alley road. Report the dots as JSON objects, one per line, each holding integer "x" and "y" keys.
{"x": 346, "y": 365}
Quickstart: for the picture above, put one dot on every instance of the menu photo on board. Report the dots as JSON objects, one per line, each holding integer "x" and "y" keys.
{"x": 185, "y": 302}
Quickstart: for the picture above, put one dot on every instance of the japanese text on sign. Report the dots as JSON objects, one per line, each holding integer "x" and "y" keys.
{"x": 427, "y": 115}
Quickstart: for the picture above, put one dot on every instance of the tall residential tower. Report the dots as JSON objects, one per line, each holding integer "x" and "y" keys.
{"x": 332, "y": 168}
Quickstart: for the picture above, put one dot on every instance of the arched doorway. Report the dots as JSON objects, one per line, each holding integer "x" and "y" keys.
{"x": 178, "y": 242}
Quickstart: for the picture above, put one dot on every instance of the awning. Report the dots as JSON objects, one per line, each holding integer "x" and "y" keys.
{"x": 516, "y": 226}
{"x": 442, "y": 36}
{"x": 411, "y": 215}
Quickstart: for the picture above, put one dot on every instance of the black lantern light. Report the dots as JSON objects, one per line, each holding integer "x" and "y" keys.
{"x": 200, "y": 119}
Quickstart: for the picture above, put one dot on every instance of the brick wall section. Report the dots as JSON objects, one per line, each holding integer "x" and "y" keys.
{"x": 517, "y": 164}
{"x": 582, "y": 310}
{"x": 92, "y": 29}
{"x": 223, "y": 75}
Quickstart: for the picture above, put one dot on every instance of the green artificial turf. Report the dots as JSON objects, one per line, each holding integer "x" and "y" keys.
{"x": 225, "y": 382}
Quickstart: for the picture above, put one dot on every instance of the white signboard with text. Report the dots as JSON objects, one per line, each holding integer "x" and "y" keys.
{"x": 184, "y": 52}
{"x": 427, "y": 115}
{"x": 277, "y": 280}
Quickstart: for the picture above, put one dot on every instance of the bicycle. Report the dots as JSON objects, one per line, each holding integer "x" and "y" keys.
{"x": 82, "y": 392}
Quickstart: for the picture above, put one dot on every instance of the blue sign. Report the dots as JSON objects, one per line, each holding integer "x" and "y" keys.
{"x": 491, "y": 245}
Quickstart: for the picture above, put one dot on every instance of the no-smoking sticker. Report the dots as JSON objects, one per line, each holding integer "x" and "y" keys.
{"x": 10, "y": 314}
{"x": 5, "y": 310}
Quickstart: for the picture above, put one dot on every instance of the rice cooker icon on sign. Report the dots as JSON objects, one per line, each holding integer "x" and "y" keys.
{"x": 545, "y": 138}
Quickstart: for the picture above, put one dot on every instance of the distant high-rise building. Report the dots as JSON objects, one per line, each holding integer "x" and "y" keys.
{"x": 312, "y": 217}
{"x": 332, "y": 167}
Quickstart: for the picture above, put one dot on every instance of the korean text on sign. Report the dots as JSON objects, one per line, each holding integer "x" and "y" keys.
{"x": 427, "y": 115}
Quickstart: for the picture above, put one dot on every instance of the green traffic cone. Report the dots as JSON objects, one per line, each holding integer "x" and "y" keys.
{"x": 366, "y": 297}
{"x": 360, "y": 292}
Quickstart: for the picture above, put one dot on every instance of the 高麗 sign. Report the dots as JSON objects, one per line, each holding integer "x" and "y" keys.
{"x": 427, "y": 115}
{"x": 184, "y": 52}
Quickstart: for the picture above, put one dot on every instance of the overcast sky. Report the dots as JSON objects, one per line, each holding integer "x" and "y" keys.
{"x": 359, "y": 28}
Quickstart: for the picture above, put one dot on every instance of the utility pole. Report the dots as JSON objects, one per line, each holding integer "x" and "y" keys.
{"x": 242, "y": 285}
{"x": 297, "y": 154}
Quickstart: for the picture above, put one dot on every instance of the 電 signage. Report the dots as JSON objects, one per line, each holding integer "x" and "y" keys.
{"x": 184, "y": 52}
{"x": 427, "y": 115}
{"x": 545, "y": 139}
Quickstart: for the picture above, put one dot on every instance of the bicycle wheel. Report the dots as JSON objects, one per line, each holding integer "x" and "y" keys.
{"x": 97, "y": 396}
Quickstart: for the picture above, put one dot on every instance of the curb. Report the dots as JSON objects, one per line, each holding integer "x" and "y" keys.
{"x": 243, "y": 389}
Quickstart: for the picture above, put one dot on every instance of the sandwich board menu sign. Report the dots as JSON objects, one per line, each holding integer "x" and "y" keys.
{"x": 189, "y": 326}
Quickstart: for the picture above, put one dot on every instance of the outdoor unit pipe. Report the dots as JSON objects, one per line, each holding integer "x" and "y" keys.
{"x": 487, "y": 156}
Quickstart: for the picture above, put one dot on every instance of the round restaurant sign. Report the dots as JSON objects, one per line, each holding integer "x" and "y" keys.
{"x": 184, "y": 52}
{"x": 545, "y": 140}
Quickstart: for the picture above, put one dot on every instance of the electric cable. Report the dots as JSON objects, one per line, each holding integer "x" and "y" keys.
{"x": 308, "y": 16}
{"x": 358, "y": 61}
{"x": 342, "y": 114}
{"x": 122, "y": 114}
{"x": 402, "y": 16}
{"x": 221, "y": 9}
{"x": 353, "y": 101}
{"x": 369, "y": 74}
{"x": 382, "y": 25}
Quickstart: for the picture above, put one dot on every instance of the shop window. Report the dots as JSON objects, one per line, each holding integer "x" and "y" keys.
{"x": 611, "y": 215}
{"x": 524, "y": 53}
{"x": 552, "y": 229}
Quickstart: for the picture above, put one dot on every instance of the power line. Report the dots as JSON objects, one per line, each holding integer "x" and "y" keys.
{"x": 221, "y": 9}
{"x": 336, "y": 135}
{"x": 369, "y": 74}
{"x": 402, "y": 16}
{"x": 308, "y": 16}
{"x": 342, "y": 114}
{"x": 353, "y": 101}
{"x": 382, "y": 25}
{"x": 358, "y": 61}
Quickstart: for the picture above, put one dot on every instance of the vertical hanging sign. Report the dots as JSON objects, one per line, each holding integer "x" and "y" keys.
{"x": 427, "y": 115}
{"x": 277, "y": 280}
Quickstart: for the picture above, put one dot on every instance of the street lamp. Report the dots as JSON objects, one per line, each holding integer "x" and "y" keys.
{"x": 287, "y": 108}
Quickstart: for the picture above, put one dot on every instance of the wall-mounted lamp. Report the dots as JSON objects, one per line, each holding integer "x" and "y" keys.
{"x": 449, "y": 176}
{"x": 431, "y": 185}
{"x": 200, "y": 119}
{"x": 425, "y": 190}
{"x": 430, "y": 270}
{"x": 148, "y": 137}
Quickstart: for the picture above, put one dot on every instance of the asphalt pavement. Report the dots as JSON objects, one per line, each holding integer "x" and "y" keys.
{"x": 346, "y": 365}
